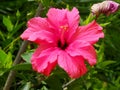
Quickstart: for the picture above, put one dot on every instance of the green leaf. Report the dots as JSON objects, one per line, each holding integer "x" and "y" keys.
{"x": 105, "y": 24}
{"x": 18, "y": 14}
{"x": 27, "y": 86}
{"x": 89, "y": 19}
{"x": 100, "y": 52}
{"x": 105, "y": 63}
{"x": 27, "y": 55}
{"x": 2, "y": 36}
{"x": 44, "y": 88}
{"x": 7, "y": 22}
{"x": 23, "y": 66}
{"x": 8, "y": 61}
{"x": 3, "y": 55}
{"x": 18, "y": 67}
{"x": 5, "y": 59}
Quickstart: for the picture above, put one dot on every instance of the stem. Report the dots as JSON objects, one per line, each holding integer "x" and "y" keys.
{"x": 7, "y": 47}
{"x": 17, "y": 60}
{"x": 68, "y": 83}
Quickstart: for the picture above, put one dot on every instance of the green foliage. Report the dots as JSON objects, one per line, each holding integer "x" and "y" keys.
{"x": 27, "y": 86}
{"x": 5, "y": 61}
{"x": 27, "y": 55}
{"x": 7, "y": 22}
{"x": 14, "y": 15}
{"x": 105, "y": 63}
{"x": 23, "y": 66}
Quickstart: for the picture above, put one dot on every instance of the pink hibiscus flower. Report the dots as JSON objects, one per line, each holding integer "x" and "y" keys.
{"x": 62, "y": 41}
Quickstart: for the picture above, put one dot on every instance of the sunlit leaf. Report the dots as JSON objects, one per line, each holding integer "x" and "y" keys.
{"x": 7, "y": 22}
{"x": 3, "y": 55}
{"x": 27, "y": 55}
{"x": 18, "y": 14}
{"x": 89, "y": 19}
{"x": 44, "y": 88}
{"x": 5, "y": 59}
{"x": 105, "y": 24}
{"x": 27, "y": 86}
{"x": 8, "y": 60}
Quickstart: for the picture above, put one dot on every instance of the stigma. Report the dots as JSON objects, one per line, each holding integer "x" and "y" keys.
{"x": 64, "y": 27}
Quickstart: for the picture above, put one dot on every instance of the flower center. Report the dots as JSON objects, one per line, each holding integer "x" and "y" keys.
{"x": 62, "y": 46}
{"x": 63, "y": 28}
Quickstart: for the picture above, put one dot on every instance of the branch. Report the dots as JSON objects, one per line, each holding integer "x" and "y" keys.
{"x": 17, "y": 60}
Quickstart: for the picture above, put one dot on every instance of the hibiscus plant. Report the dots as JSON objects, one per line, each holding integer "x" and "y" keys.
{"x": 61, "y": 50}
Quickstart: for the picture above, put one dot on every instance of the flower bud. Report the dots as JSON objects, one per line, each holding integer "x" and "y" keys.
{"x": 106, "y": 7}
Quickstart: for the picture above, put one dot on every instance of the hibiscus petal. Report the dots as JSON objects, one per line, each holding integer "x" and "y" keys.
{"x": 57, "y": 17}
{"x": 73, "y": 18}
{"x": 45, "y": 61}
{"x": 34, "y": 25}
{"x": 42, "y": 35}
{"x": 89, "y": 33}
{"x": 48, "y": 69}
{"x": 74, "y": 66}
{"x": 38, "y": 23}
{"x": 73, "y": 21}
{"x": 27, "y": 33}
{"x": 84, "y": 49}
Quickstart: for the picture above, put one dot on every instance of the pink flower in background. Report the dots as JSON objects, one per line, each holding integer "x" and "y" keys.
{"x": 106, "y": 7}
{"x": 113, "y": 6}
{"x": 62, "y": 41}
